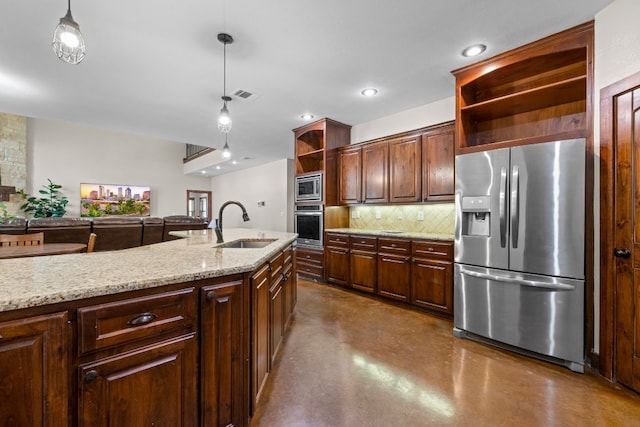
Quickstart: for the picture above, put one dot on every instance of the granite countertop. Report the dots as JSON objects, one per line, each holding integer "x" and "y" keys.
{"x": 30, "y": 282}
{"x": 393, "y": 233}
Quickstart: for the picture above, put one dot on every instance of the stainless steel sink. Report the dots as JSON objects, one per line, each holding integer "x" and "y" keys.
{"x": 247, "y": 243}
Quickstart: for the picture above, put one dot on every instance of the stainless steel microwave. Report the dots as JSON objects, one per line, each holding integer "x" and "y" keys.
{"x": 308, "y": 188}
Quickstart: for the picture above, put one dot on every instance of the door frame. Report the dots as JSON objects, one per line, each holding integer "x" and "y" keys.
{"x": 209, "y": 203}
{"x": 607, "y": 220}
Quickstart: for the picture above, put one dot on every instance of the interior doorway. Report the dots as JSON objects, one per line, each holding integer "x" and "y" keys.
{"x": 619, "y": 232}
{"x": 199, "y": 204}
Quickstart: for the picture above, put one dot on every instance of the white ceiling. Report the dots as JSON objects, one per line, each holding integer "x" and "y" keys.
{"x": 154, "y": 67}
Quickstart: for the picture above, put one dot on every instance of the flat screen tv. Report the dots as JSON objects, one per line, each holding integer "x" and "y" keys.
{"x": 114, "y": 199}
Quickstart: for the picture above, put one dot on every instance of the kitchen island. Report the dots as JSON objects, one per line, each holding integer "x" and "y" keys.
{"x": 153, "y": 335}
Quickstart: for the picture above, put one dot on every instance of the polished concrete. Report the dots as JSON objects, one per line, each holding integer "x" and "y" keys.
{"x": 349, "y": 360}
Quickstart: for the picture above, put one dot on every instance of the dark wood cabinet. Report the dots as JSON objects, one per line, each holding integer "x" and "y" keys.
{"x": 538, "y": 92}
{"x": 315, "y": 151}
{"x": 289, "y": 284}
{"x": 350, "y": 176}
{"x": 432, "y": 275}
{"x": 375, "y": 172}
{"x": 223, "y": 354}
{"x": 405, "y": 180}
{"x": 310, "y": 262}
{"x": 260, "y": 356}
{"x": 34, "y": 371}
{"x": 337, "y": 258}
{"x": 438, "y": 161}
{"x": 394, "y": 268}
{"x": 276, "y": 303}
{"x": 363, "y": 262}
{"x": 153, "y": 385}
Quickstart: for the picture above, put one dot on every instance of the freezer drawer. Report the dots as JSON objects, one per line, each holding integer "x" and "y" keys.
{"x": 537, "y": 313}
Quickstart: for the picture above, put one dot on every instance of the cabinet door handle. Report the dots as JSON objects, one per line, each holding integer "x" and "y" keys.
{"x": 1, "y": 337}
{"x": 90, "y": 376}
{"x": 211, "y": 295}
{"x": 622, "y": 253}
{"x": 142, "y": 319}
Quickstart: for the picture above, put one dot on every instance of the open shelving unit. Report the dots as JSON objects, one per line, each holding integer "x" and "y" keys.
{"x": 539, "y": 92}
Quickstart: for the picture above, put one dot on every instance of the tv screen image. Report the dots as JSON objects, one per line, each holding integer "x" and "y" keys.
{"x": 114, "y": 199}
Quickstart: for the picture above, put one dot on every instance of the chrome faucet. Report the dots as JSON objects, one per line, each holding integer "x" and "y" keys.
{"x": 218, "y": 229}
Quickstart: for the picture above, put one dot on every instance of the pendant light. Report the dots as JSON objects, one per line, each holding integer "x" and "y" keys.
{"x": 68, "y": 43}
{"x": 226, "y": 153}
{"x": 224, "y": 119}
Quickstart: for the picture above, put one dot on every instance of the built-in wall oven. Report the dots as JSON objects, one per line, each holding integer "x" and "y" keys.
{"x": 309, "y": 188}
{"x": 308, "y": 222}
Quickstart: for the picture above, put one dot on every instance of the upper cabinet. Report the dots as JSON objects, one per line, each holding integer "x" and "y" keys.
{"x": 315, "y": 151}
{"x": 539, "y": 92}
{"x": 417, "y": 166}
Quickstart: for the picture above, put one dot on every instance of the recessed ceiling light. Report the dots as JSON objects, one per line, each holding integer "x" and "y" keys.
{"x": 307, "y": 116}
{"x": 474, "y": 50}
{"x": 203, "y": 172}
{"x": 369, "y": 92}
{"x": 234, "y": 162}
{"x": 218, "y": 167}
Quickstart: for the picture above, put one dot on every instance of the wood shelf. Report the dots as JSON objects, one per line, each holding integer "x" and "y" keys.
{"x": 536, "y": 93}
{"x": 571, "y": 90}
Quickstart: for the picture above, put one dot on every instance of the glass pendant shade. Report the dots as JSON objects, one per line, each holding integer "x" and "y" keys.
{"x": 68, "y": 43}
{"x": 224, "y": 119}
{"x": 226, "y": 153}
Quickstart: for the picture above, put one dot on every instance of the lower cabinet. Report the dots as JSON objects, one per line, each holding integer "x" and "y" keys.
{"x": 432, "y": 276}
{"x": 34, "y": 371}
{"x": 310, "y": 263}
{"x": 337, "y": 259}
{"x": 394, "y": 269}
{"x": 260, "y": 356}
{"x": 223, "y": 354}
{"x": 153, "y": 385}
{"x": 363, "y": 263}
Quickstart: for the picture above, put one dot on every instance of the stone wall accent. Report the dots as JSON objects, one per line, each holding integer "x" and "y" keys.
{"x": 13, "y": 158}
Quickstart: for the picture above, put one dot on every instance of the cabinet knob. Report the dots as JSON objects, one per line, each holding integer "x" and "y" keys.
{"x": 211, "y": 295}
{"x": 142, "y": 319}
{"x": 0, "y": 337}
{"x": 393, "y": 245}
{"x": 90, "y": 376}
{"x": 308, "y": 256}
{"x": 430, "y": 249}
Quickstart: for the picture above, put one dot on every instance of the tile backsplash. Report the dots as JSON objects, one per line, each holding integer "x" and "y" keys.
{"x": 436, "y": 218}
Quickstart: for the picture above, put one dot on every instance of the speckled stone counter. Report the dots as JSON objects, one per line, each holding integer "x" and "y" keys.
{"x": 30, "y": 282}
{"x": 391, "y": 233}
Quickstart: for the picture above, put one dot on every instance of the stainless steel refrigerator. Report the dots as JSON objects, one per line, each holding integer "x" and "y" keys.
{"x": 519, "y": 249}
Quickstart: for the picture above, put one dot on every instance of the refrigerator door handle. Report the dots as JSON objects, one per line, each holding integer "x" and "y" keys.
{"x": 503, "y": 207}
{"x": 518, "y": 281}
{"x": 515, "y": 206}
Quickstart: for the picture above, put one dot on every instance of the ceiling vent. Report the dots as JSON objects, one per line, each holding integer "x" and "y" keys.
{"x": 243, "y": 95}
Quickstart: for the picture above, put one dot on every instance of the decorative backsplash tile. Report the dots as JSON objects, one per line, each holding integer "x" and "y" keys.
{"x": 437, "y": 218}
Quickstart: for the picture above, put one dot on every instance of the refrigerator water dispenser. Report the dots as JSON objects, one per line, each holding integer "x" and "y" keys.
{"x": 476, "y": 216}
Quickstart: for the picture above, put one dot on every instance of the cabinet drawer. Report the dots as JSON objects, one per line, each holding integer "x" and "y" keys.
{"x": 394, "y": 246}
{"x": 338, "y": 240}
{"x": 107, "y": 325}
{"x": 310, "y": 257}
{"x": 275, "y": 265}
{"x": 311, "y": 270}
{"x": 435, "y": 250}
{"x": 364, "y": 243}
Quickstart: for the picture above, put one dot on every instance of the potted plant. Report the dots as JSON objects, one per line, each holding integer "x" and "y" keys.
{"x": 51, "y": 205}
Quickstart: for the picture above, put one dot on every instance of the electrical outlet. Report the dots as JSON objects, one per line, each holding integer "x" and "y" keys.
{"x": 378, "y": 214}
{"x": 400, "y": 215}
{"x": 354, "y": 215}
{"x": 357, "y": 214}
{"x": 260, "y": 203}
{"x": 420, "y": 216}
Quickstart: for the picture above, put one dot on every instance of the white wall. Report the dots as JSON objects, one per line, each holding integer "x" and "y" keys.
{"x": 70, "y": 154}
{"x": 270, "y": 183}
{"x": 415, "y": 118}
{"x": 617, "y": 37}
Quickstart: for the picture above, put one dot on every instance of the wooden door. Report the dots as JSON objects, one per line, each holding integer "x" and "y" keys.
{"x": 222, "y": 355}
{"x": 375, "y": 172}
{"x": 405, "y": 171}
{"x": 350, "y": 181}
{"x": 34, "y": 372}
{"x": 337, "y": 265}
{"x": 152, "y": 386}
{"x": 431, "y": 282}
{"x": 363, "y": 270}
{"x": 276, "y": 315}
{"x": 260, "y": 332}
{"x": 394, "y": 276}
{"x": 438, "y": 159}
{"x": 627, "y": 240}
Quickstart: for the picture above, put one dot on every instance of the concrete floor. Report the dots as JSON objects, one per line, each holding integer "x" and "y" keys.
{"x": 349, "y": 360}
